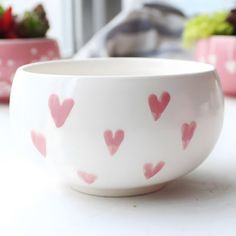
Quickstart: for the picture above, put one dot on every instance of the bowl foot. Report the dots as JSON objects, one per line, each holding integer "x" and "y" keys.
{"x": 119, "y": 192}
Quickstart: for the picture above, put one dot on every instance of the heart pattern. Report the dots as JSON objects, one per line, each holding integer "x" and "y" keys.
{"x": 212, "y": 59}
{"x": 113, "y": 141}
{"x": 230, "y": 66}
{"x": 86, "y": 177}
{"x": 150, "y": 170}
{"x": 157, "y": 106}
{"x": 39, "y": 142}
{"x": 187, "y": 133}
{"x": 60, "y": 111}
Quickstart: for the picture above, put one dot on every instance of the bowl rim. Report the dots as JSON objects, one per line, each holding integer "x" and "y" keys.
{"x": 209, "y": 68}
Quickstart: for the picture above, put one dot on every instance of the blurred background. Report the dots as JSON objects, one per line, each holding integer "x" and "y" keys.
{"x": 74, "y": 22}
{"x": 202, "y": 30}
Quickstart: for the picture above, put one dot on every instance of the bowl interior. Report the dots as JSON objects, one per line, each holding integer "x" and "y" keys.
{"x": 119, "y": 67}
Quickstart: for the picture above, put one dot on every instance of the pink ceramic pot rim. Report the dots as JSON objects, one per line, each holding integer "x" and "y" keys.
{"x": 26, "y": 40}
{"x": 215, "y": 37}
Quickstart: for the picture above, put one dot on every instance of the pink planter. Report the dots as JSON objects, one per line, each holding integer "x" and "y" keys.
{"x": 17, "y": 52}
{"x": 220, "y": 51}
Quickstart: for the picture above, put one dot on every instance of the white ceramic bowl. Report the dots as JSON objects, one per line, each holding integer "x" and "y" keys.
{"x": 118, "y": 127}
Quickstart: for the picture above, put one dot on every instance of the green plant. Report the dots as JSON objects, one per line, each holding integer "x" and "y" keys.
{"x": 206, "y": 25}
{"x": 31, "y": 25}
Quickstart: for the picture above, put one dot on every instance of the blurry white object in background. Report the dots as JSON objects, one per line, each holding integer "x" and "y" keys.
{"x": 144, "y": 30}
{"x": 121, "y": 37}
{"x": 188, "y": 7}
{"x": 96, "y": 44}
{"x": 60, "y": 17}
{"x": 90, "y": 16}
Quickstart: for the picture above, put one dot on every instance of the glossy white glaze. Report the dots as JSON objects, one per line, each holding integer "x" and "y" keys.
{"x": 149, "y": 143}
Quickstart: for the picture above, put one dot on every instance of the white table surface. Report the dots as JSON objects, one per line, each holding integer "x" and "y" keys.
{"x": 33, "y": 202}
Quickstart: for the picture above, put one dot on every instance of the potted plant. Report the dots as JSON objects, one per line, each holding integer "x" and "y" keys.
{"x": 23, "y": 40}
{"x": 213, "y": 36}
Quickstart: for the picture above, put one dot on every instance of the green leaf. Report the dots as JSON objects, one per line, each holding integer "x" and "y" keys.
{"x": 1, "y": 10}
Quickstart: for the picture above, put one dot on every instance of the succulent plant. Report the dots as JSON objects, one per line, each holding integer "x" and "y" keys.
{"x": 7, "y": 23}
{"x": 31, "y": 25}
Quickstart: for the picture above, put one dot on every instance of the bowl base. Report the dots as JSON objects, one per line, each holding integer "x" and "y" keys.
{"x": 119, "y": 192}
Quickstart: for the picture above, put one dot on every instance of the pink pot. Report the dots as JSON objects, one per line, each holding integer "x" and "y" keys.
{"x": 220, "y": 51}
{"x": 17, "y": 52}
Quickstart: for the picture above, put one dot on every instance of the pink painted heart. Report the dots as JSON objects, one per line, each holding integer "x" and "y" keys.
{"x": 150, "y": 170}
{"x": 187, "y": 133}
{"x": 158, "y": 106}
{"x": 113, "y": 141}
{"x": 60, "y": 111}
{"x": 86, "y": 177}
{"x": 39, "y": 142}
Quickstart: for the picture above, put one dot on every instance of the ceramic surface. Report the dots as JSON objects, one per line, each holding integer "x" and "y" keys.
{"x": 17, "y": 52}
{"x": 117, "y": 127}
{"x": 220, "y": 51}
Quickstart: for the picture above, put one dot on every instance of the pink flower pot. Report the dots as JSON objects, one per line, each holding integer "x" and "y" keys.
{"x": 220, "y": 51}
{"x": 17, "y": 52}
